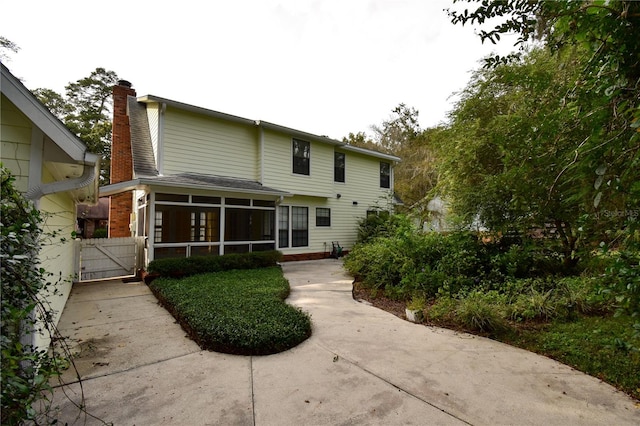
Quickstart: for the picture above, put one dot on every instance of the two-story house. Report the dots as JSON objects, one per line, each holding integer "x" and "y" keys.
{"x": 200, "y": 182}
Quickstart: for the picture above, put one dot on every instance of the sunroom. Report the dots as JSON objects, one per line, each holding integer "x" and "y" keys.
{"x": 201, "y": 215}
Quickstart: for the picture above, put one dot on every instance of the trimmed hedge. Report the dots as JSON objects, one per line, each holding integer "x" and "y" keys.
{"x": 239, "y": 311}
{"x": 187, "y": 266}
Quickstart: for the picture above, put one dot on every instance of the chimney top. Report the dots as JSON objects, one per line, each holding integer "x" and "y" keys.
{"x": 124, "y": 83}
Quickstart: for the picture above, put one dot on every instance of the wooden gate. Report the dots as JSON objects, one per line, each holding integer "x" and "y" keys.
{"x": 99, "y": 258}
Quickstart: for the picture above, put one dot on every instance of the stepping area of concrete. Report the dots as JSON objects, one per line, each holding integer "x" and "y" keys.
{"x": 361, "y": 366}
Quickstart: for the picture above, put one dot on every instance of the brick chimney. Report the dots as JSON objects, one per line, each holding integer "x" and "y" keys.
{"x": 121, "y": 161}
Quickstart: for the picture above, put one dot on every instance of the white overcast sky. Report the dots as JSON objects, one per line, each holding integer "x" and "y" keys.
{"x": 327, "y": 67}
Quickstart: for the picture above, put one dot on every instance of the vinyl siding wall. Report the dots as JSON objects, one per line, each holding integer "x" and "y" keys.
{"x": 204, "y": 144}
{"x": 58, "y": 209}
{"x": 278, "y": 166}
{"x": 58, "y": 257}
{"x": 361, "y": 186}
{"x": 153, "y": 115}
{"x": 201, "y": 144}
{"x": 15, "y": 150}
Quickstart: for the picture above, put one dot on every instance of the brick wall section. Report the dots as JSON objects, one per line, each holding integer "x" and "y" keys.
{"x": 121, "y": 161}
{"x": 307, "y": 256}
{"x": 119, "y": 215}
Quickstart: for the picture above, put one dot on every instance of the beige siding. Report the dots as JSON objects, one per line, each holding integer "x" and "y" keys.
{"x": 57, "y": 254}
{"x": 278, "y": 166}
{"x": 204, "y": 144}
{"x": 362, "y": 186}
{"x": 344, "y": 219}
{"x": 200, "y": 144}
{"x": 153, "y": 115}
{"x": 58, "y": 210}
{"x": 16, "y": 143}
{"x": 362, "y": 182}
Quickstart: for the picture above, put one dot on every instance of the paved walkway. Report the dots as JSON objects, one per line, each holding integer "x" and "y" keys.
{"x": 362, "y": 366}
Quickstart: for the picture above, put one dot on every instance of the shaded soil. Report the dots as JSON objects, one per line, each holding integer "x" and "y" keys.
{"x": 396, "y": 307}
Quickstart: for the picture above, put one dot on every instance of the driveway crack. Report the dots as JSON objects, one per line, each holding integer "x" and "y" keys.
{"x": 341, "y": 357}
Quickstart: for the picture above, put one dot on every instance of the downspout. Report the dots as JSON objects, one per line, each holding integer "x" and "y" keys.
{"x": 87, "y": 178}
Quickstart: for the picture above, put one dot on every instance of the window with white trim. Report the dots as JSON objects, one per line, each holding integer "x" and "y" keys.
{"x": 323, "y": 216}
{"x": 301, "y": 157}
{"x": 299, "y": 226}
{"x": 338, "y": 166}
{"x": 283, "y": 226}
{"x": 293, "y": 226}
{"x": 385, "y": 175}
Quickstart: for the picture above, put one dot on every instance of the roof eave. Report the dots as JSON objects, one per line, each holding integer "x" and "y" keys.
{"x": 266, "y": 125}
{"x": 371, "y": 153}
{"x": 50, "y": 125}
{"x": 198, "y": 110}
{"x": 299, "y": 133}
{"x": 141, "y": 183}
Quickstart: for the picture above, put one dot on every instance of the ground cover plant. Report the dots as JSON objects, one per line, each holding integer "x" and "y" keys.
{"x": 236, "y": 311}
{"x": 514, "y": 289}
{"x": 185, "y": 266}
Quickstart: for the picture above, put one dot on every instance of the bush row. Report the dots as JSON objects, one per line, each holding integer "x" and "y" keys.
{"x": 539, "y": 300}
{"x": 406, "y": 261}
{"x": 475, "y": 281}
{"x": 187, "y": 266}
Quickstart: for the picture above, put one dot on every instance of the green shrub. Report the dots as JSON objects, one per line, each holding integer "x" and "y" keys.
{"x": 442, "y": 311}
{"x": 534, "y": 305}
{"x": 236, "y": 311}
{"x": 378, "y": 263}
{"x": 400, "y": 259}
{"x": 100, "y": 233}
{"x": 624, "y": 281}
{"x": 480, "y": 311}
{"x": 187, "y": 266}
{"x": 382, "y": 224}
{"x": 583, "y": 295}
{"x": 26, "y": 369}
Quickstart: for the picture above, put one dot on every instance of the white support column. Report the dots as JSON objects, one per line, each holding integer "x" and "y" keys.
{"x": 222, "y": 218}
{"x": 152, "y": 226}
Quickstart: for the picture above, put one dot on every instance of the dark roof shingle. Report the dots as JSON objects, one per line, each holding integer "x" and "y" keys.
{"x": 144, "y": 162}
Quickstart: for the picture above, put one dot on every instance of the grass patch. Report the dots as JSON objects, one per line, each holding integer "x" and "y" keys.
{"x": 597, "y": 346}
{"x": 239, "y": 311}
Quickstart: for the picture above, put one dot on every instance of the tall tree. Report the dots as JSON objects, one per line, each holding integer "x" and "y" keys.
{"x": 86, "y": 111}
{"x": 399, "y": 130}
{"x": 509, "y": 159}
{"x": 361, "y": 140}
{"x": 606, "y": 32}
{"x": 605, "y": 92}
{"x": 401, "y": 135}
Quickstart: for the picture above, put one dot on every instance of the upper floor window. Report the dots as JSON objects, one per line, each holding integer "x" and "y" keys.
{"x": 338, "y": 166}
{"x": 301, "y": 157}
{"x": 385, "y": 175}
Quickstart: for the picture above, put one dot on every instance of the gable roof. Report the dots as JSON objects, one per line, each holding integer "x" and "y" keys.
{"x": 50, "y": 125}
{"x": 84, "y": 187}
{"x": 144, "y": 162}
{"x": 267, "y": 125}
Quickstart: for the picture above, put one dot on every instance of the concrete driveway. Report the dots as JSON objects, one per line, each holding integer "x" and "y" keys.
{"x": 362, "y": 366}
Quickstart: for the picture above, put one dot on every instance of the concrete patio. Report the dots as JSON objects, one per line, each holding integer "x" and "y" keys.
{"x": 361, "y": 366}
